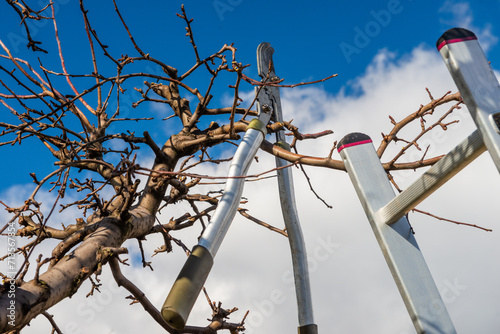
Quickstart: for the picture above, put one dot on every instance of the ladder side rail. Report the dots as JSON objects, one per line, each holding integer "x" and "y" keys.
{"x": 397, "y": 242}
{"x": 476, "y": 82}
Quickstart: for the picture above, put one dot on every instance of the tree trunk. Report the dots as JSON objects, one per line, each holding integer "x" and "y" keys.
{"x": 66, "y": 276}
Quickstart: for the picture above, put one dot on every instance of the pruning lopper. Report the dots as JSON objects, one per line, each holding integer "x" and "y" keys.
{"x": 193, "y": 275}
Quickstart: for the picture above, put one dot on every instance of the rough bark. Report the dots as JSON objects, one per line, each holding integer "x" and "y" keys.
{"x": 64, "y": 279}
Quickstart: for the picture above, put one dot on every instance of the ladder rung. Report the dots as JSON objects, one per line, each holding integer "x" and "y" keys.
{"x": 459, "y": 157}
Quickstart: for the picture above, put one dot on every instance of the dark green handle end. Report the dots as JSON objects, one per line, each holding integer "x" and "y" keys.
{"x": 308, "y": 329}
{"x": 187, "y": 287}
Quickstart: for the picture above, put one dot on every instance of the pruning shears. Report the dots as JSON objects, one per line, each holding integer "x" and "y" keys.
{"x": 193, "y": 275}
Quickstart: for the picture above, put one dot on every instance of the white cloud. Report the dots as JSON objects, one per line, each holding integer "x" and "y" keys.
{"x": 353, "y": 290}
{"x": 462, "y": 16}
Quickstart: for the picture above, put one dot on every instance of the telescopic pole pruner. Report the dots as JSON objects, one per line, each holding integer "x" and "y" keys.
{"x": 193, "y": 275}
{"x": 285, "y": 184}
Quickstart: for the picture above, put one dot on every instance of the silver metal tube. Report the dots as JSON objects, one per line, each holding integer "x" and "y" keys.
{"x": 397, "y": 242}
{"x": 195, "y": 271}
{"x": 271, "y": 97}
{"x": 214, "y": 233}
{"x": 430, "y": 181}
{"x": 297, "y": 245}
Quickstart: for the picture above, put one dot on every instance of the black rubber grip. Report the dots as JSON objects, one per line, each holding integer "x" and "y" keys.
{"x": 308, "y": 329}
{"x": 187, "y": 287}
{"x": 496, "y": 121}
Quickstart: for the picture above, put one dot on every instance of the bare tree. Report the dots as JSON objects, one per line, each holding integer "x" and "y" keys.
{"x": 79, "y": 130}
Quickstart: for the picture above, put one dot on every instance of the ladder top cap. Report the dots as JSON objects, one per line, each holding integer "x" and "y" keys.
{"x": 353, "y": 139}
{"x": 455, "y": 35}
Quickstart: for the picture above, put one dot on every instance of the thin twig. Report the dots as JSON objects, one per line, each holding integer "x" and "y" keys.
{"x": 200, "y": 176}
{"x": 50, "y": 318}
{"x": 121, "y": 280}
{"x": 308, "y": 179}
{"x": 277, "y": 83}
{"x": 451, "y": 221}
{"x": 244, "y": 213}
{"x": 63, "y": 65}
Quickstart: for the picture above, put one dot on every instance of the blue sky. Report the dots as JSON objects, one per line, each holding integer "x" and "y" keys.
{"x": 384, "y": 54}
{"x": 312, "y": 39}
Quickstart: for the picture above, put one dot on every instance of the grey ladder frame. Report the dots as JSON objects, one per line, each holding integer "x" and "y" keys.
{"x": 386, "y": 211}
